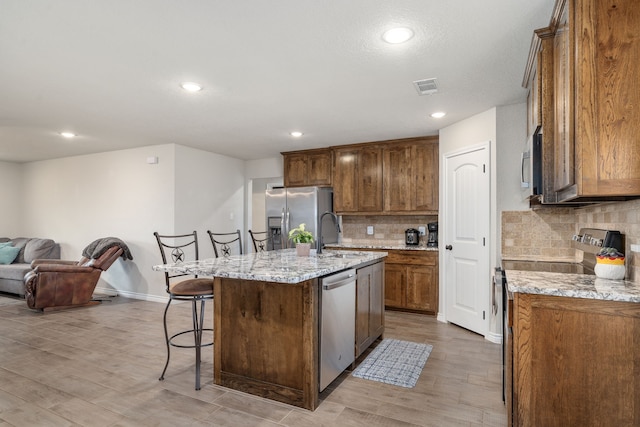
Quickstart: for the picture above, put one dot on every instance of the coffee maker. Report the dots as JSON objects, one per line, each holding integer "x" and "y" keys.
{"x": 432, "y": 239}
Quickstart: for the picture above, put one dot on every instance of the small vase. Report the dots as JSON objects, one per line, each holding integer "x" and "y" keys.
{"x": 303, "y": 249}
{"x": 613, "y": 270}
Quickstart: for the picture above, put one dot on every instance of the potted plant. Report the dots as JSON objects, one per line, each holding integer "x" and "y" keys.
{"x": 302, "y": 238}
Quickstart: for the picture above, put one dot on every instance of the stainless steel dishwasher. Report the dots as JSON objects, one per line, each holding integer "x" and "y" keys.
{"x": 337, "y": 325}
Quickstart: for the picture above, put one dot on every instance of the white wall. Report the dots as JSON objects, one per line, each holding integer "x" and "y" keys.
{"x": 209, "y": 195}
{"x": 511, "y": 142}
{"x": 76, "y": 200}
{"x": 11, "y": 191}
{"x": 264, "y": 168}
{"x": 259, "y": 173}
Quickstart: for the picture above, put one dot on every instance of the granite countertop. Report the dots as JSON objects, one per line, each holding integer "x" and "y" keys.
{"x": 572, "y": 285}
{"x": 382, "y": 245}
{"x": 282, "y": 266}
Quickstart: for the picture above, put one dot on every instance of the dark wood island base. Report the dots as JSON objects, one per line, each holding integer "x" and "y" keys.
{"x": 266, "y": 339}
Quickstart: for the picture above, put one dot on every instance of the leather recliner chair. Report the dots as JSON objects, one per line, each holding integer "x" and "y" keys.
{"x": 58, "y": 284}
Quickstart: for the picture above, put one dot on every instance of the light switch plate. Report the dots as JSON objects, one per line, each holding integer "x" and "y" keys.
{"x": 370, "y": 230}
{"x": 422, "y": 230}
{"x": 635, "y": 248}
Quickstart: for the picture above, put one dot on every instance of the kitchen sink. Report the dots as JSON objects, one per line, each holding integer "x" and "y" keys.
{"x": 346, "y": 255}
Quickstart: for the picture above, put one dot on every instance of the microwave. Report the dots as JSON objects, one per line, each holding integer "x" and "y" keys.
{"x": 531, "y": 165}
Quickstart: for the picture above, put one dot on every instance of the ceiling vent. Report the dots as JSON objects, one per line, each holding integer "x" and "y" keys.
{"x": 426, "y": 86}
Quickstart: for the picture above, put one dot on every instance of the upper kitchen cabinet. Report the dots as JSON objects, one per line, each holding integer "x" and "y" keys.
{"x": 397, "y": 177}
{"x": 308, "y": 168}
{"x": 596, "y": 100}
{"x": 533, "y": 83}
{"x": 411, "y": 176}
{"x": 539, "y": 80}
{"x": 357, "y": 178}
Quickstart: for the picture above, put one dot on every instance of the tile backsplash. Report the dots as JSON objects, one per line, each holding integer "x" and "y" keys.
{"x": 545, "y": 234}
{"x": 387, "y": 228}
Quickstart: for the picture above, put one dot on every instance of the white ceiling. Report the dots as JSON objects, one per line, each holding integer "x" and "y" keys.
{"x": 110, "y": 71}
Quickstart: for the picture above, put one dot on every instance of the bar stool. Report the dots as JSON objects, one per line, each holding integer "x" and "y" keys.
{"x": 178, "y": 249}
{"x": 223, "y": 242}
{"x": 262, "y": 241}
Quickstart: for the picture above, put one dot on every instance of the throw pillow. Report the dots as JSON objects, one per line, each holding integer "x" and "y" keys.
{"x": 8, "y": 254}
{"x": 5, "y": 244}
{"x": 38, "y": 249}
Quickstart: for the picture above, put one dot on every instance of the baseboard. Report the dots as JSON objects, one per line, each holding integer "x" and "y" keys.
{"x": 134, "y": 295}
{"x": 441, "y": 318}
{"x": 494, "y": 337}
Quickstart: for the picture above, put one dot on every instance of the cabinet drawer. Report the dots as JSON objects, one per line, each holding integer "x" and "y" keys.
{"x": 412, "y": 257}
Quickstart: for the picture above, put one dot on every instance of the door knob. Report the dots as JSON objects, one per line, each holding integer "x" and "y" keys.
{"x": 448, "y": 247}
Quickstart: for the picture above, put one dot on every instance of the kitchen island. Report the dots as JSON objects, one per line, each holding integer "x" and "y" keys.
{"x": 267, "y": 308}
{"x": 572, "y": 350}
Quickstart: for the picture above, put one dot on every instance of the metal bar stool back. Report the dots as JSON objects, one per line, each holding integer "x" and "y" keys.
{"x": 187, "y": 287}
{"x": 262, "y": 241}
{"x": 224, "y": 243}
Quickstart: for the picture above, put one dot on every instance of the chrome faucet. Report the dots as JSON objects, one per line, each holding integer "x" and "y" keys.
{"x": 335, "y": 219}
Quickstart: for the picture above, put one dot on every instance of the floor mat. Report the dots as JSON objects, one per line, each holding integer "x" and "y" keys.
{"x": 395, "y": 362}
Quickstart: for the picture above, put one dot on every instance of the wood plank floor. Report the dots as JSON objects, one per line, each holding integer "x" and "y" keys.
{"x": 99, "y": 366}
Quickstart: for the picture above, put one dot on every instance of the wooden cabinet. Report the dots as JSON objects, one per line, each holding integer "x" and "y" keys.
{"x": 426, "y": 163}
{"x": 398, "y": 177}
{"x": 539, "y": 80}
{"x": 575, "y": 362}
{"x": 591, "y": 143}
{"x": 394, "y": 177}
{"x": 308, "y": 168}
{"x": 411, "y": 176}
{"x": 369, "y": 306}
{"x": 411, "y": 281}
{"x": 534, "y": 95}
{"x": 607, "y": 117}
{"x": 564, "y": 168}
{"x": 358, "y": 179}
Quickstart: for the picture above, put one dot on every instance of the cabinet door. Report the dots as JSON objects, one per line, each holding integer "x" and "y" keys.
{"x": 398, "y": 178}
{"x": 363, "y": 303}
{"x": 563, "y": 132}
{"x": 394, "y": 285}
{"x": 425, "y": 160}
{"x": 376, "y": 301}
{"x": 370, "y": 179}
{"x": 534, "y": 116}
{"x": 607, "y": 98}
{"x": 319, "y": 168}
{"x": 422, "y": 289}
{"x": 295, "y": 166}
{"x": 345, "y": 180}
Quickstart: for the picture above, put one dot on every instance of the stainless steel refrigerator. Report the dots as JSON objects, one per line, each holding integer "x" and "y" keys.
{"x": 287, "y": 208}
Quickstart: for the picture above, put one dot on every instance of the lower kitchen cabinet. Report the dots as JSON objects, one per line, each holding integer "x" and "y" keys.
{"x": 411, "y": 281}
{"x": 369, "y": 305}
{"x": 575, "y": 362}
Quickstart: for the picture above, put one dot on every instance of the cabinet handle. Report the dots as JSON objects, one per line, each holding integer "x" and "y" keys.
{"x": 524, "y": 156}
{"x": 448, "y": 247}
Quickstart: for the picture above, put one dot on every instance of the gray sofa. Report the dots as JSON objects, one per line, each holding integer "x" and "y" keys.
{"x": 12, "y": 275}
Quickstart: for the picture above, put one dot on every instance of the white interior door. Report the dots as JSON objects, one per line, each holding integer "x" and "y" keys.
{"x": 466, "y": 238}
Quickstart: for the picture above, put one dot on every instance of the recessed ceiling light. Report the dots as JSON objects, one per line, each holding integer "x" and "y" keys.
{"x": 191, "y": 87}
{"x": 438, "y": 115}
{"x": 397, "y": 35}
{"x": 296, "y": 134}
{"x": 68, "y": 134}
